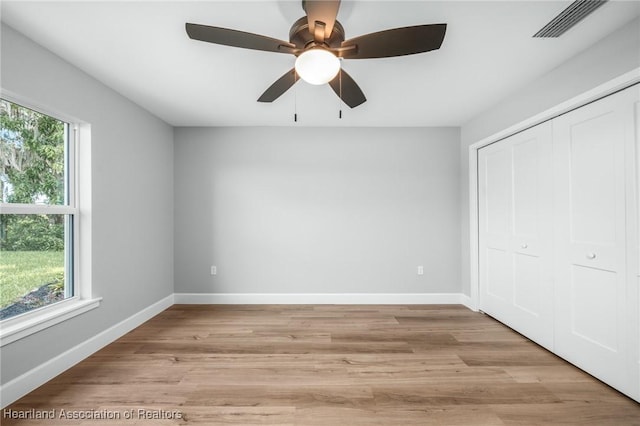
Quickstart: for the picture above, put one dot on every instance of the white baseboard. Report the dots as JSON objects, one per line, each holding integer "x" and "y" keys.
{"x": 468, "y": 302}
{"x": 22, "y": 385}
{"x": 321, "y": 298}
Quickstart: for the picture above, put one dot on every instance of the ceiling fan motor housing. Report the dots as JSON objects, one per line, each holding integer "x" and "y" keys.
{"x": 303, "y": 38}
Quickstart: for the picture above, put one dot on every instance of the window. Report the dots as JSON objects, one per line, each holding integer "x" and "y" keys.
{"x": 38, "y": 218}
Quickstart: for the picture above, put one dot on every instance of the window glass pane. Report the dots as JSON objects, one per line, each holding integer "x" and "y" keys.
{"x": 32, "y": 156}
{"x": 32, "y": 261}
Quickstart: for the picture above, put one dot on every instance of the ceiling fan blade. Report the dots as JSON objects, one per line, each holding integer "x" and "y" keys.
{"x": 236, "y": 38}
{"x": 396, "y": 42}
{"x": 347, "y": 89}
{"x": 324, "y": 11}
{"x": 281, "y": 85}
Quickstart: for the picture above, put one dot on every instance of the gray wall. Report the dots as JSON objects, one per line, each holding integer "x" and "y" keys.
{"x": 611, "y": 57}
{"x": 132, "y": 197}
{"x": 317, "y": 210}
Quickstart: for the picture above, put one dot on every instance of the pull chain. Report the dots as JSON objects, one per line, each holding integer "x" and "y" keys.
{"x": 295, "y": 96}
{"x": 340, "y": 90}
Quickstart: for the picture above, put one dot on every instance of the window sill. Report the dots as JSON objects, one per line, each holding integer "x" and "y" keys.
{"x": 13, "y": 329}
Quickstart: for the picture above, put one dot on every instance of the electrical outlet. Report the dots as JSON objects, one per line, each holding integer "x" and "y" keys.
{"x": 420, "y": 270}
{"x": 214, "y": 270}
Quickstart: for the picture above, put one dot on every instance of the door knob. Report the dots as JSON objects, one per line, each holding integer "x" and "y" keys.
{"x": 591, "y": 256}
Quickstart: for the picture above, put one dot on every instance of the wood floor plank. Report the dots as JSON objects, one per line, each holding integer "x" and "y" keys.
{"x": 547, "y": 374}
{"x": 280, "y": 395}
{"x": 569, "y": 413}
{"x": 328, "y": 365}
{"x": 462, "y": 394}
{"x": 244, "y": 347}
{"x": 385, "y": 416}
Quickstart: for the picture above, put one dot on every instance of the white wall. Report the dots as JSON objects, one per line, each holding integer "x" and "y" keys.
{"x": 317, "y": 210}
{"x": 132, "y": 197}
{"x": 613, "y": 56}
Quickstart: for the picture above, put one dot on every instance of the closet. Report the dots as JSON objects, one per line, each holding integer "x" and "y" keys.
{"x": 559, "y": 236}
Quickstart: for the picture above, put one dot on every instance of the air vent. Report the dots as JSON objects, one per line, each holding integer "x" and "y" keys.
{"x": 569, "y": 17}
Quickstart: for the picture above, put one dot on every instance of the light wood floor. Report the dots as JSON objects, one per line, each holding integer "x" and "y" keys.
{"x": 330, "y": 365}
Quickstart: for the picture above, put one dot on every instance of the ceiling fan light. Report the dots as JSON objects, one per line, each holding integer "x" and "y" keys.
{"x": 317, "y": 66}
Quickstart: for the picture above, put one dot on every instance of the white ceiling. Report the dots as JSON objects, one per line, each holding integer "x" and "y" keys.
{"x": 141, "y": 50}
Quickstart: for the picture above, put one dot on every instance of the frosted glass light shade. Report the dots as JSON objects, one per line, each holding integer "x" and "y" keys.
{"x": 317, "y": 66}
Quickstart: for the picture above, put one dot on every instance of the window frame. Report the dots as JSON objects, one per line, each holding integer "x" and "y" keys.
{"x": 80, "y": 301}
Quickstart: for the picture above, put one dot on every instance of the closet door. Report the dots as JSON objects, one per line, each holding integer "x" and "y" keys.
{"x": 516, "y": 232}
{"x": 592, "y": 317}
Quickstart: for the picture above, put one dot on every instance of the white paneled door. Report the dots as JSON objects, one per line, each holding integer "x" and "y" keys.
{"x": 515, "y": 224}
{"x": 594, "y": 327}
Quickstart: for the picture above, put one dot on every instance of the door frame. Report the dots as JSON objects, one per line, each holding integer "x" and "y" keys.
{"x": 619, "y": 83}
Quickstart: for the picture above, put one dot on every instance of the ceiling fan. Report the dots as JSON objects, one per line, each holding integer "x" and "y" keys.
{"x": 318, "y": 41}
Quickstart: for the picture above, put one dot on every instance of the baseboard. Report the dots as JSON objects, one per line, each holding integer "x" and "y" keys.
{"x": 22, "y": 385}
{"x": 321, "y": 298}
{"x": 468, "y": 302}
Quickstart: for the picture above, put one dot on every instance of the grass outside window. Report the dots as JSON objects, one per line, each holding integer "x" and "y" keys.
{"x": 22, "y": 272}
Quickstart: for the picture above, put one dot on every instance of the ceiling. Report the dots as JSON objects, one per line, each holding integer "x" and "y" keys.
{"x": 141, "y": 50}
